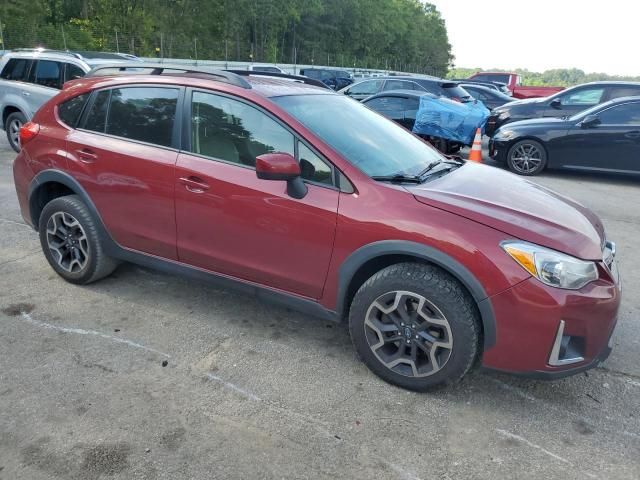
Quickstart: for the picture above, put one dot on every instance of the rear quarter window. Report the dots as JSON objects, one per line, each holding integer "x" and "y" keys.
{"x": 16, "y": 69}
{"x": 69, "y": 111}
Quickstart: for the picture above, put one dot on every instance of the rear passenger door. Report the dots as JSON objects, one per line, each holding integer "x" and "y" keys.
{"x": 233, "y": 223}
{"x": 123, "y": 153}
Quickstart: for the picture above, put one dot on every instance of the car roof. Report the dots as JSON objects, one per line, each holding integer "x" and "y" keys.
{"x": 264, "y": 86}
{"x": 401, "y": 92}
{"x": 88, "y": 57}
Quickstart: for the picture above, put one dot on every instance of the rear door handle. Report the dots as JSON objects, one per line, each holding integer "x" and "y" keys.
{"x": 87, "y": 155}
{"x": 194, "y": 184}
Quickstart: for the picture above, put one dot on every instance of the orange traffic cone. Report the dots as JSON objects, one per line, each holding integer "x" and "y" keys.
{"x": 476, "y": 150}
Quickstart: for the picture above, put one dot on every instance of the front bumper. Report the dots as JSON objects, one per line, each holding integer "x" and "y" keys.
{"x": 493, "y": 124}
{"x": 528, "y": 317}
{"x": 498, "y": 149}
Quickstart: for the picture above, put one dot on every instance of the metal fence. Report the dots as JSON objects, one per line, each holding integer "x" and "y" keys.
{"x": 165, "y": 45}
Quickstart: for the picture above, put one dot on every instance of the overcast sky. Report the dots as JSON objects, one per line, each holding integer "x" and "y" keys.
{"x": 595, "y": 36}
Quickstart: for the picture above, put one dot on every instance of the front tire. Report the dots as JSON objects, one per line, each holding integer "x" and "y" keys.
{"x": 70, "y": 241}
{"x": 12, "y": 126}
{"x": 527, "y": 157}
{"x": 415, "y": 326}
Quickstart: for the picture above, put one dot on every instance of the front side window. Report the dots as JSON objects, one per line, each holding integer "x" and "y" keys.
{"x": 73, "y": 72}
{"x": 230, "y": 130}
{"x": 368, "y": 87}
{"x": 69, "y": 111}
{"x": 584, "y": 97}
{"x": 313, "y": 168}
{"x": 379, "y": 147}
{"x": 16, "y": 69}
{"x": 386, "y": 104}
{"x": 48, "y": 74}
{"x": 627, "y": 114}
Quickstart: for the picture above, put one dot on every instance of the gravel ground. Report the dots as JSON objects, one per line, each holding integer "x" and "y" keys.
{"x": 149, "y": 376}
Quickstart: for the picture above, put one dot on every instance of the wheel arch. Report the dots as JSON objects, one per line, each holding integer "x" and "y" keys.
{"x": 371, "y": 258}
{"x": 50, "y": 184}
{"x": 8, "y": 110}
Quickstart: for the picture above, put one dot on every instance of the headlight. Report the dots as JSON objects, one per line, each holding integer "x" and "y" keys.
{"x": 505, "y": 134}
{"x": 550, "y": 267}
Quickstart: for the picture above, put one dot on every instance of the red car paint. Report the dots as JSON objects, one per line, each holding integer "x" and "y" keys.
{"x": 513, "y": 84}
{"x": 251, "y": 230}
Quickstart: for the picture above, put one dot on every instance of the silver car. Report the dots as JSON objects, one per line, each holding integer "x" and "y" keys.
{"x": 30, "y": 77}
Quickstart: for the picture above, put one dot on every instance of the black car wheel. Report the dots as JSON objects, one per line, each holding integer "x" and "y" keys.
{"x": 414, "y": 326}
{"x": 527, "y": 157}
{"x": 12, "y": 127}
{"x": 70, "y": 241}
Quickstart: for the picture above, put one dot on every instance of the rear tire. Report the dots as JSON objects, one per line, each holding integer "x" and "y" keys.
{"x": 70, "y": 241}
{"x": 12, "y": 128}
{"x": 415, "y": 326}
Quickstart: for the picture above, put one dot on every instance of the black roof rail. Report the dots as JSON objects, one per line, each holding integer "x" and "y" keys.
{"x": 167, "y": 69}
{"x": 299, "y": 78}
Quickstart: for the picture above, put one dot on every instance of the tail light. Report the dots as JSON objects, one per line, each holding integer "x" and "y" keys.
{"x": 28, "y": 132}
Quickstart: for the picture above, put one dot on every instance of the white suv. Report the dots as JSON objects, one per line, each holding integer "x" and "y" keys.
{"x": 30, "y": 77}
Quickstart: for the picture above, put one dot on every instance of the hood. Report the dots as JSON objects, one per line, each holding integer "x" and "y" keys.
{"x": 551, "y": 122}
{"x": 523, "y": 101}
{"x": 517, "y": 207}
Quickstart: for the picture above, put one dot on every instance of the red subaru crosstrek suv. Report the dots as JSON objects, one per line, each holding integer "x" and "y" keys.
{"x": 308, "y": 198}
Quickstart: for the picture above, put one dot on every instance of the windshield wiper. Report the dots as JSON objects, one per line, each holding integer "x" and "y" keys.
{"x": 398, "y": 178}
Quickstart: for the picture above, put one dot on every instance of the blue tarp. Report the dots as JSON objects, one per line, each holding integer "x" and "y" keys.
{"x": 444, "y": 118}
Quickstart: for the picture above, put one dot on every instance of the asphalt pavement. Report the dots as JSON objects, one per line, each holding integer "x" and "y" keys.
{"x": 150, "y": 376}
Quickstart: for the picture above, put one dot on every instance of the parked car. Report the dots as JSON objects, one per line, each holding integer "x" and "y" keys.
{"x": 255, "y": 183}
{"x": 437, "y": 86}
{"x": 566, "y": 103}
{"x": 30, "y": 77}
{"x": 490, "y": 97}
{"x": 334, "y": 78}
{"x": 603, "y": 138}
{"x": 513, "y": 82}
{"x": 265, "y": 68}
{"x": 401, "y": 106}
{"x": 500, "y": 87}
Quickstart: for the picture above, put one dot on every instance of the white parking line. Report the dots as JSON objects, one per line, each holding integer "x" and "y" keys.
{"x": 233, "y": 387}
{"x": 79, "y": 331}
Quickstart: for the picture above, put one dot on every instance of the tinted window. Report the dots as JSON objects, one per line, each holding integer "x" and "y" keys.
{"x": 482, "y": 78}
{"x": 16, "y": 69}
{"x": 313, "y": 168}
{"x": 143, "y": 113}
{"x": 616, "y": 92}
{"x": 48, "y": 73}
{"x": 230, "y": 130}
{"x": 456, "y": 92}
{"x": 368, "y": 87}
{"x": 584, "y": 97}
{"x": 69, "y": 111}
{"x": 627, "y": 114}
{"x": 73, "y": 72}
{"x": 266, "y": 69}
{"x": 386, "y": 104}
{"x": 399, "y": 85}
{"x": 97, "y": 116}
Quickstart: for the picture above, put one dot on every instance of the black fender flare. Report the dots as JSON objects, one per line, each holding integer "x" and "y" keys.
{"x": 63, "y": 178}
{"x": 382, "y": 248}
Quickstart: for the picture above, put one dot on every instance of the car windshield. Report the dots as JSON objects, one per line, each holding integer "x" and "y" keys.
{"x": 371, "y": 142}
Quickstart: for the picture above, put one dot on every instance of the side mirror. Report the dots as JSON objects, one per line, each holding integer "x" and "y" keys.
{"x": 556, "y": 103}
{"x": 590, "y": 121}
{"x": 281, "y": 166}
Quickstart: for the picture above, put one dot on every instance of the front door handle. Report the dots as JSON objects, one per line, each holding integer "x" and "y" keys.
{"x": 194, "y": 184}
{"x": 87, "y": 155}
{"x": 26, "y": 94}
{"x": 633, "y": 134}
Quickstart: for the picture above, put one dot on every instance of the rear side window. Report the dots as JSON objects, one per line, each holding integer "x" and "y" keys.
{"x": 146, "y": 114}
{"x": 616, "y": 92}
{"x": 48, "y": 74}
{"x": 399, "y": 85}
{"x": 16, "y": 69}
{"x": 69, "y": 111}
{"x": 456, "y": 92}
